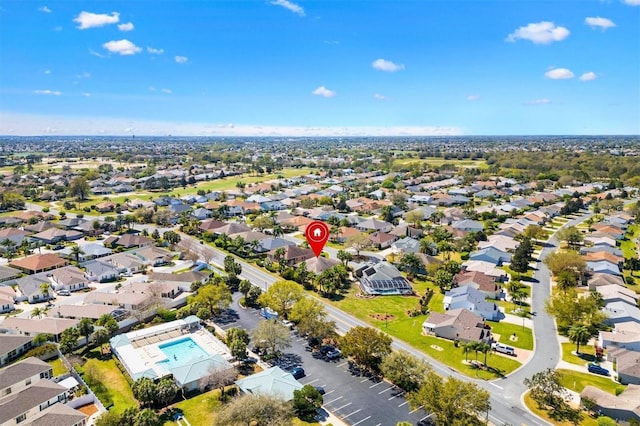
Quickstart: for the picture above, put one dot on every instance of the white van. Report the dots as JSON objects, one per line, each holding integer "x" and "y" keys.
{"x": 499, "y": 347}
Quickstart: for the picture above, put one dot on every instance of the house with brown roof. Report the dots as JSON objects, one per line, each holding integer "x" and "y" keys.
{"x": 134, "y": 240}
{"x": 154, "y": 256}
{"x": 484, "y": 283}
{"x": 106, "y": 206}
{"x": 35, "y": 326}
{"x": 343, "y": 233}
{"x": 382, "y": 240}
{"x": 319, "y": 264}
{"x": 210, "y": 225}
{"x": 457, "y": 324}
{"x": 39, "y": 263}
{"x": 54, "y": 235}
{"x": 292, "y": 255}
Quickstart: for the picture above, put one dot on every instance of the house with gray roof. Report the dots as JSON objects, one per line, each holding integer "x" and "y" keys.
{"x": 12, "y": 346}
{"x": 100, "y": 271}
{"x": 491, "y": 255}
{"x": 69, "y": 278}
{"x": 473, "y": 300}
{"x": 35, "y": 326}
{"x": 273, "y": 381}
{"x": 406, "y": 245}
{"x": 8, "y": 274}
{"x": 31, "y": 288}
{"x": 89, "y": 251}
{"x": 468, "y": 225}
{"x": 382, "y": 279}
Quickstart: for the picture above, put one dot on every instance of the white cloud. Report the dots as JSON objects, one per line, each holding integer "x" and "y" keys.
{"x": 155, "y": 51}
{"x": 33, "y": 124}
{"x": 379, "y": 96}
{"x": 632, "y": 2}
{"x": 388, "y": 66}
{"x": 598, "y": 22}
{"x": 539, "y": 33}
{"x": 92, "y": 20}
{"x": 588, "y": 76}
{"x": 86, "y": 94}
{"x": 47, "y": 92}
{"x": 126, "y": 27}
{"x": 94, "y": 53}
{"x": 47, "y": 72}
{"x": 323, "y": 91}
{"x": 559, "y": 74}
{"x": 473, "y": 97}
{"x": 152, "y": 89}
{"x": 181, "y": 59}
{"x": 543, "y": 101}
{"x": 44, "y": 9}
{"x": 168, "y": 91}
{"x": 57, "y": 29}
{"x": 83, "y": 75}
{"x": 295, "y": 8}
{"x": 122, "y": 47}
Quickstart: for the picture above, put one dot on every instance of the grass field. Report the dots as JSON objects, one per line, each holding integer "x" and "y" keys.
{"x": 58, "y": 367}
{"x": 576, "y": 382}
{"x": 533, "y": 406}
{"x": 437, "y": 162}
{"x": 409, "y": 329}
{"x": 587, "y": 352}
{"x": 108, "y": 383}
{"x": 506, "y": 330}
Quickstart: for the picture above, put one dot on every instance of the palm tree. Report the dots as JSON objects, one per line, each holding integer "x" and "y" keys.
{"x": 10, "y": 247}
{"x": 516, "y": 292}
{"x": 37, "y": 312}
{"x": 580, "y": 335}
{"x": 76, "y": 251}
{"x": 466, "y": 348}
{"x": 44, "y": 289}
{"x": 485, "y": 348}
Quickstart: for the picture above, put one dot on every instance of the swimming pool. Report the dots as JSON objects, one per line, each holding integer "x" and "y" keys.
{"x": 181, "y": 352}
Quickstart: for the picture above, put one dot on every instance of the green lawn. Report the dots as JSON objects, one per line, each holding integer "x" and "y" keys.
{"x": 576, "y": 382}
{"x": 409, "y": 329}
{"x": 506, "y": 330}
{"x": 533, "y": 406}
{"x": 587, "y": 352}
{"x": 109, "y": 384}
{"x": 58, "y": 367}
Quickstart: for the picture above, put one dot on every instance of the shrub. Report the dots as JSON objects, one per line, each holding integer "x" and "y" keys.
{"x": 464, "y": 255}
{"x": 45, "y": 209}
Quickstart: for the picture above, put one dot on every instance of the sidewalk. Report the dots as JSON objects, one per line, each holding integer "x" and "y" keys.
{"x": 332, "y": 420}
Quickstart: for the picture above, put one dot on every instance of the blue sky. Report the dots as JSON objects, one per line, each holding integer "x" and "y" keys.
{"x": 310, "y": 67}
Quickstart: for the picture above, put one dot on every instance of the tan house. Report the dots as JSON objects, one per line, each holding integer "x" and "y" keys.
{"x": 292, "y": 255}
{"x": 458, "y": 324}
{"x": 39, "y": 263}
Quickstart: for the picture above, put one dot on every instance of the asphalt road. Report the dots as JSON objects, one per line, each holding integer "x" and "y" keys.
{"x": 357, "y": 400}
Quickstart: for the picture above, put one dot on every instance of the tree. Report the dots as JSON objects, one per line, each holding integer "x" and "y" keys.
{"x": 517, "y": 292}
{"x": 211, "y": 299}
{"x": 345, "y": 257}
{"x": 272, "y": 336}
{"x": 306, "y": 402}
{"x": 404, "y": 370}
{"x": 546, "y": 389}
{"x": 69, "y": 339}
{"x": 411, "y": 264}
{"x": 11, "y": 200}
{"x": 146, "y": 417}
{"x": 171, "y": 237}
{"x": 37, "y": 312}
{"x": 218, "y": 378}
{"x": 258, "y": 410}
{"x": 85, "y": 328}
{"x": 281, "y": 296}
{"x": 263, "y": 222}
{"x": 565, "y": 261}
{"x": 358, "y": 242}
{"x": 452, "y": 401}
{"x": 232, "y": 267}
{"x": 569, "y": 310}
{"x": 144, "y": 390}
{"x": 443, "y": 279}
{"x": 109, "y": 323}
{"x": 166, "y": 390}
{"x": 45, "y": 290}
{"x": 79, "y": 188}
{"x": 310, "y": 316}
{"x": 244, "y": 287}
{"x": 571, "y": 235}
{"x": 414, "y": 217}
{"x": 535, "y": 232}
{"x": 237, "y": 340}
{"x": 566, "y": 279}
{"x": 367, "y": 346}
{"x": 76, "y": 251}
{"x": 101, "y": 336}
{"x": 522, "y": 256}
{"x": 580, "y": 335}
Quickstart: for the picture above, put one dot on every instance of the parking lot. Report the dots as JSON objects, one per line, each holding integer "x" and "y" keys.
{"x": 356, "y": 399}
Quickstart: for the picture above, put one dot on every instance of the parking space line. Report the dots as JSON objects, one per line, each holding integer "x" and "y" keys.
{"x": 340, "y": 408}
{"x": 403, "y": 404}
{"x": 364, "y": 380}
{"x": 365, "y": 419}
{"x": 330, "y": 392}
{"x": 394, "y": 396}
{"x": 313, "y": 381}
{"x": 300, "y": 339}
{"x": 373, "y": 386}
{"x": 413, "y": 411}
{"x": 352, "y": 413}
{"x": 333, "y": 400}
{"x": 343, "y": 364}
{"x": 387, "y": 389}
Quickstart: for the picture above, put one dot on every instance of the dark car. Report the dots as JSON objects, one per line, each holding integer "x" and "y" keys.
{"x": 595, "y": 368}
{"x": 249, "y": 360}
{"x": 298, "y": 373}
{"x": 308, "y": 348}
{"x": 326, "y": 349}
{"x": 320, "y": 390}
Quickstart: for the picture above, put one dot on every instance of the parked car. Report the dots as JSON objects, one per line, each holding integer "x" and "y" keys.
{"x": 249, "y": 360}
{"x": 320, "y": 390}
{"x": 287, "y": 324}
{"x": 326, "y": 349}
{"x": 595, "y": 368}
{"x": 63, "y": 292}
{"x": 298, "y": 373}
{"x": 499, "y": 347}
{"x": 333, "y": 355}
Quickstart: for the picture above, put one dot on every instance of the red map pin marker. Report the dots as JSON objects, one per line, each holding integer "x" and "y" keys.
{"x": 317, "y": 234}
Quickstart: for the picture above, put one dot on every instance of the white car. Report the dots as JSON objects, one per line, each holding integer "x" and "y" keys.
{"x": 63, "y": 292}
{"x": 287, "y": 324}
